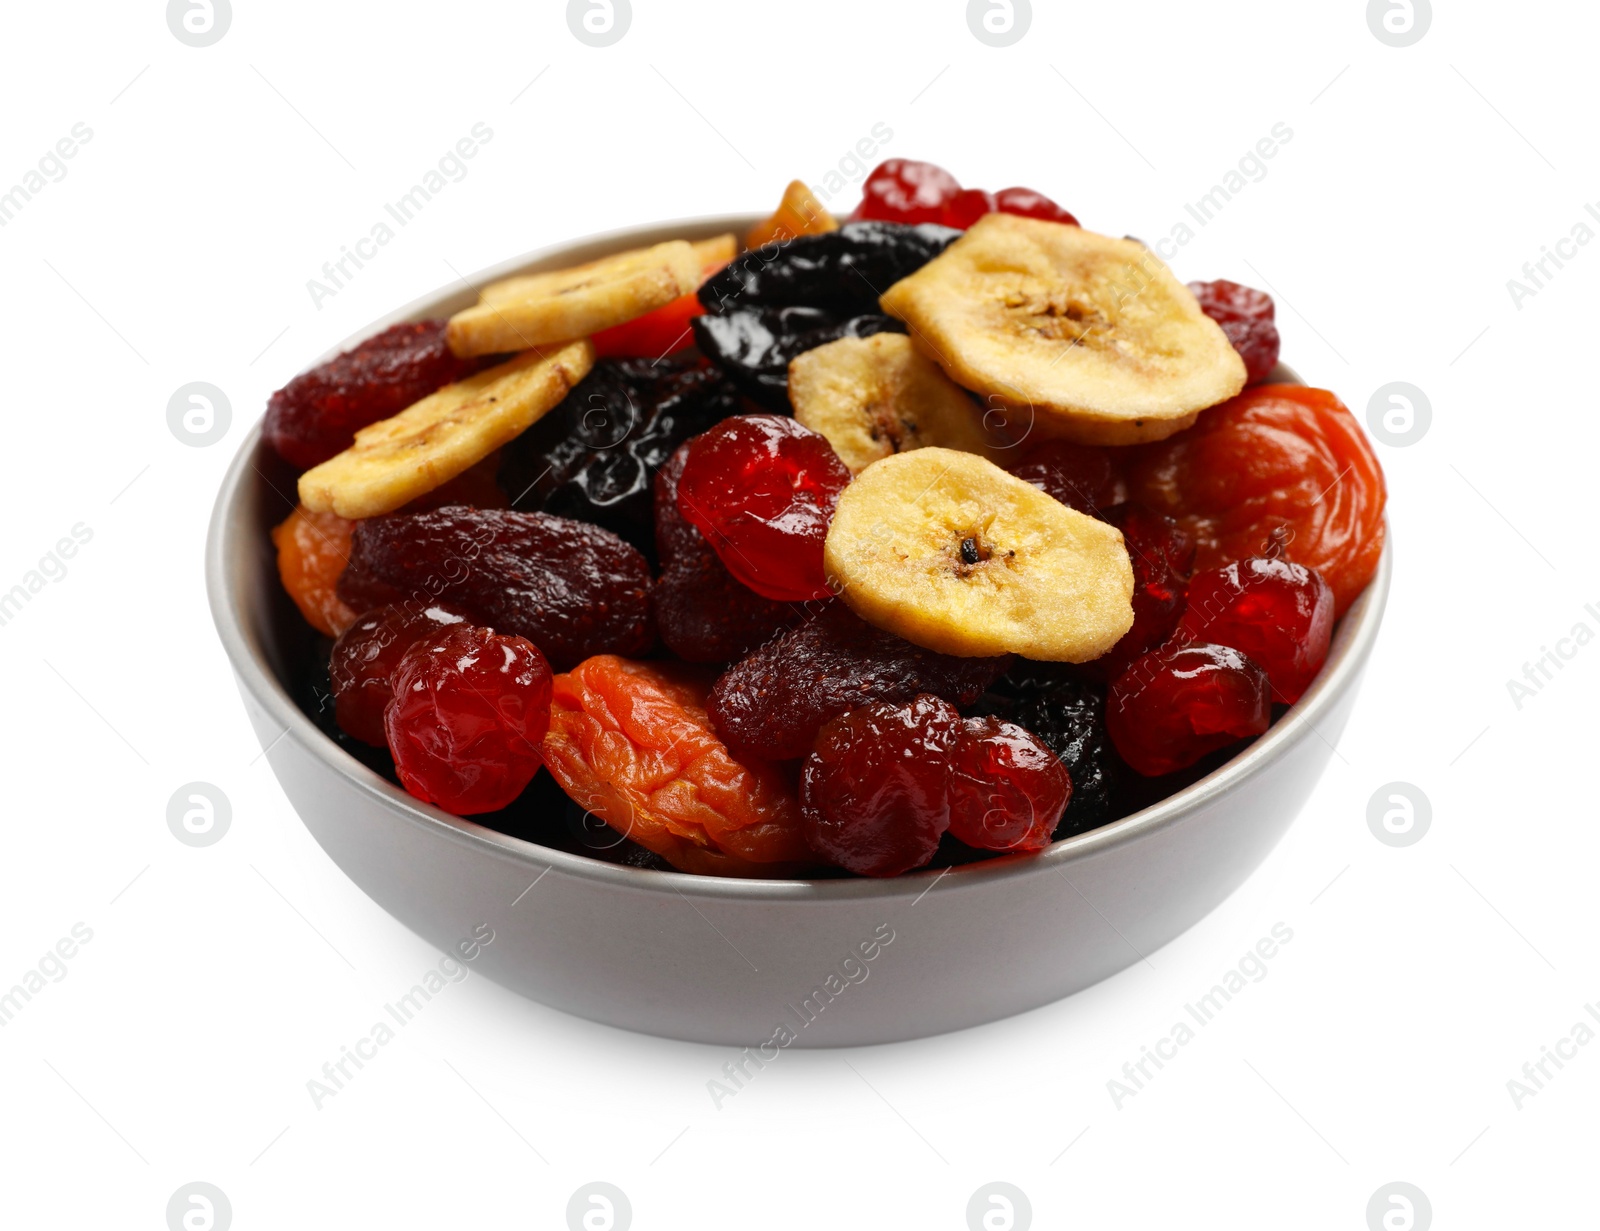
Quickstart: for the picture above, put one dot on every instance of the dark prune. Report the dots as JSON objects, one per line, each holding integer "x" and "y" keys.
{"x": 318, "y": 413}
{"x": 753, "y": 346}
{"x": 704, "y": 614}
{"x": 1070, "y": 717}
{"x": 771, "y": 704}
{"x": 874, "y": 793}
{"x": 842, "y": 271}
{"x": 594, "y": 457}
{"x": 571, "y": 588}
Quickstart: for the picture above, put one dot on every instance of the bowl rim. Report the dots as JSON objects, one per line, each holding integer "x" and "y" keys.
{"x": 1353, "y": 641}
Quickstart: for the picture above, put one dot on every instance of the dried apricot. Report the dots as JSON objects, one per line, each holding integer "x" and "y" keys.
{"x": 631, "y": 742}
{"x": 1281, "y": 471}
{"x": 313, "y": 549}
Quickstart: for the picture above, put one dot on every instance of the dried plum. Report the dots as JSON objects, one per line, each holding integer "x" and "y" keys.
{"x": 843, "y": 271}
{"x": 1070, "y": 717}
{"x": 753, "y": 346}
{"x": 571, "y": 588}
{"x": 595, "y": 456}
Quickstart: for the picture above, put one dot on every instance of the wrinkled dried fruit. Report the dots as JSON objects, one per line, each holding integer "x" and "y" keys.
{"x": 772, "y": 704}
{"x": 1082, "y": 477}
{"x": 318, "y": 413}
{"x": 631, "y": 744}
{"x": 1070, "y": 717}
{"x": 1281, "y": 471}
{"x": 1280, "y": 614}
{"x": 1248, "y": 317}
{"x": 571, "y": 588}
{"x": 595, "y": 456}
{"x": 1007, "y": 789}
{"x": 703, "y": 613}
{"x": 873, "y": 793}
{"x": 753, "y": 346}
{"x": 1162, "y": 554}
{"x": 366, "y": 655}
{"x": 313, "y": 549}
{"x": 470, "y": 709}
{"x": 762, "y": 490}
{"x": 1176, "y": 704}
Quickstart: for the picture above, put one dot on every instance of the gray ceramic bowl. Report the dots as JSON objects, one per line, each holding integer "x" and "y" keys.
{"x": 807, "y": 963}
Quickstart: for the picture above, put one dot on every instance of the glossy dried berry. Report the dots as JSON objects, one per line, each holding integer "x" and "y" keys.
{"x": 1070, "y": 717}
{"x": 772, "y": 703}
{"x": 762, "y": 490}
{"x": 1162, "y": 554}
{"x": 874, "y": 791}
{"x": 753, "y": 346}
{"x": 1007, "y": 790}
{"x": 842, "y": 271}
{"x": 631, "y": 744}
{"x": 703, "y": 613}
{"x": 1176, "y": 704}
{"x": 1279, "y": 613}
{"x": 594, "y": 457}
{"x": 571, "y": 588}
{"x": 318, "y": 413}
{"x": 364, "y": 659}
{"x": 469, "y": 711}
{"x": 1281, "y": 471}
{"x": 1248, "y": 317}
{"x": 905, "y": 190}
{"x": 1082, "y": 477}
{"x": 1031, "y": 204}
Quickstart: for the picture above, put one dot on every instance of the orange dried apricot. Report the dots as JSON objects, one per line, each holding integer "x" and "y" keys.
{"x": 313, "y": 549}
{"x": 631, "y": 742}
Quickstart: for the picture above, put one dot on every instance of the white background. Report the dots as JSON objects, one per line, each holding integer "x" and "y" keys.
{"x": 177, "y": 249}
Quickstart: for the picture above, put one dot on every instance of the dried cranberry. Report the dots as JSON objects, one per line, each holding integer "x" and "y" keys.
{"x": 318, "y": 413}
{"x": 1162, "y": 556}
{"x": 966, "y": 207}
{"x": 571, "y": 588}
{"x": 1176, "y": 704}
{"x": 1248, "y": 317}
{"x": 1031, "y": 204}
{"x": 1082, "y": 477}
{"x": 365, "y": 657}
{"x": 762, "y": 489}
{"x": 874, "y": 792}
{"x": 1279, "y": 613}
{"x": 771, "y": 704}
{"x": 1007, "y": 790}
{"x": 702, "y": 612}
{"x": 470, "y": 708}
{"x": 903, "y": 190}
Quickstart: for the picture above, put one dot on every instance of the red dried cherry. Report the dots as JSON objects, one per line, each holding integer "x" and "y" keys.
{"x": 1007, "y": 790}
{"x": 366, "y": 654}
{"x": 470, "y": 708}
{"x": 1162, "y": 555}
{"x": 904, "y": 190}
{"x": 1248, "y": 317}
{"x": 762, "y": 489}
{"x": 1279, "y": 613}
{"x": 966, "y": 207}
{"x": 1174, "y": 705}
{"x": 1082, "y": 477}
{"x": 873, "y": 793}
{"x": 1031, "y": 204}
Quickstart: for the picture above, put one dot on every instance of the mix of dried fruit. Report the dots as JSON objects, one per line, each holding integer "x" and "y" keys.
{"x": 944, "y": 531}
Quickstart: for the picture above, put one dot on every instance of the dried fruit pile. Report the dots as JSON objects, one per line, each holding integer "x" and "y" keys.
{"x": 941, "y": 533}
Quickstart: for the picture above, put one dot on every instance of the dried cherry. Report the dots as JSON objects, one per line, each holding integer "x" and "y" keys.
{"x": 1281, "y": 471}
{"x": 470, "y": 708}
{"x": 1248, "y": 317}
{"x": 1176, "y": 704}
{"x": 364, "y": 659}
{"x": 571, "y": 588}
{"x": 1279, "y": 613}
{"x": 1007, "y": 790}
{"x": 1082, "y": 477}
{"x": 772, "y": 703}
{"x": 753, "y": 346}
{"x": 318, "y": 413}
{"x": 874, "y": 793}
{"x": 1162, "y": 554}
{"x": 1031, "y": 204}
{"x": 762, "y": 490}
{"x": 905, "y": 190}
{"x": 630, "y": 742}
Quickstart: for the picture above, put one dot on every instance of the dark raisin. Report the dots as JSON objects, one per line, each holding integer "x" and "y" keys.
{"x": 1070, "y": 717}
{"x": 753, "y": 346}
{"x": 571, "y": 588}
{"x": 771, "y": 704}
{"x": 595, "y": 456}
{"x": 843, "y": 271}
